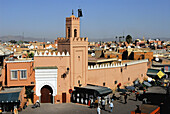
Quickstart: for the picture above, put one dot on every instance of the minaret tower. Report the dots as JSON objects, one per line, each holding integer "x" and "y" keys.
{"x": 72, "y": 26}
{"x": 77, "y": 47}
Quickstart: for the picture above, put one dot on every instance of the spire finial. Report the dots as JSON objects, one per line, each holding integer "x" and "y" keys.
{"x": 72, "y": 12}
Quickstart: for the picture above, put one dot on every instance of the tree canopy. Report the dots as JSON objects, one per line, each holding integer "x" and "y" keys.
{"x": 30, "y": 55}
{"x": 13, "y": 41}
{"x": 128, "y": 39}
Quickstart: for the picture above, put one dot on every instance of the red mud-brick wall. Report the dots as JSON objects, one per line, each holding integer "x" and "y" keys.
{"x": 110, "y": 75}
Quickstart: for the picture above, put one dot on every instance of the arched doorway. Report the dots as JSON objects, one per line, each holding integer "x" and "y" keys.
{"x": 46, "y": 94}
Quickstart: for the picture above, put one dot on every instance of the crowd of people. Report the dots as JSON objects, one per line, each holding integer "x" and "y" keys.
{"x": 107, "y": 101}
{"x": 100, "y": 103}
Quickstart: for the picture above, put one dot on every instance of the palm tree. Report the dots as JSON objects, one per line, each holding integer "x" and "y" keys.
{"x": 120, "y": 38}
{"x": 123, "y": 38}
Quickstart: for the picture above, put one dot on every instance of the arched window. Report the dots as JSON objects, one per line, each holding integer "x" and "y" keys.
{"x": 68, "y": 32}
{"x": 75, "y": 32}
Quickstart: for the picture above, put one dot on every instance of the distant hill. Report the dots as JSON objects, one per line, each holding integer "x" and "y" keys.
{"x": 17, "y": 38}
{"x": 113, "y": 39}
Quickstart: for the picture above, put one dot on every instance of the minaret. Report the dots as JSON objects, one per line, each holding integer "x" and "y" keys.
{"x": 72, "y": 26}
{"x": 77, "y": 48}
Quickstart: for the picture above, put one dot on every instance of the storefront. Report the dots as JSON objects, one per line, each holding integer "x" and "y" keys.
{"x": 84, "y": 94}
{"x": 9, "y": 100}
{"x": 12, "y": 97}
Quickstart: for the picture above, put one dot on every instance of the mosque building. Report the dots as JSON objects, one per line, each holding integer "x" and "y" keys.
{"x": 53, "y": 75}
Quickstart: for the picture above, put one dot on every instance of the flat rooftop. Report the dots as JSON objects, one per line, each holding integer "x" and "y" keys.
{"x": 99, "y": 60}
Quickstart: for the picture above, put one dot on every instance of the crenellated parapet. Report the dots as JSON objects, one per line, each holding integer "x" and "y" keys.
{"x": 103, "y": 66}
{"x": 80, "y": 39}
{"x": 51, "y": 54}
{"x": 67, "y": 40}
{"x": 63, "y": 40}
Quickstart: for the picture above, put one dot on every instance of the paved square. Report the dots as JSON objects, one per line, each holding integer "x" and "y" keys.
{"x": 72, "y": 108}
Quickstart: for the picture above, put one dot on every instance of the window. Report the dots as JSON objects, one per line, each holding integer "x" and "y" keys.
{"x": 75, "y": 32}
{"x": 14, "y": 74}
{"x": 78, "y": 81}
{"x": 79, "y": 58}
{"x": 104, "y": 83}
{"x": 23, "y": 74}
{"x": 68, "y": 32}
{"x": 121, "y": 70}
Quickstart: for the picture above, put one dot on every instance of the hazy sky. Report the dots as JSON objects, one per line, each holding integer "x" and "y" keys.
{"x": 101, "y": 18}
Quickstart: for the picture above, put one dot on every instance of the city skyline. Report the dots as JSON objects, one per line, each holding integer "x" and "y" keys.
{"x": 101, "y": 20}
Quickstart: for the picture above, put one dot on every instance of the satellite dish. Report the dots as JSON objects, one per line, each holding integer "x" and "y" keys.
{"x": 157, "y": 59}
{"x": 149, "y": 79}
{"x": 92, "y": 54}
{"x": 119, "y": 60}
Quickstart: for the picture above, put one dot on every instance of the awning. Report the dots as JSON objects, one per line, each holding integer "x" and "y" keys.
{"x": 9, "y": 97}
{"x": 100, "y": 90}
{"x": 130, "y": 88}
{"x": 152, "y": 72}
{"x": 147, "y": 84}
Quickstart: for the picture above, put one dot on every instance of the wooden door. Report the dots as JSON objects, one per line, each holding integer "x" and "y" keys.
{"x": 46, "y": 94}
{"x": 63, "y": 97}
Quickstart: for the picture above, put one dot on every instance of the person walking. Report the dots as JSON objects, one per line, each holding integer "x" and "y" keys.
{"x": 137, "y": 95}
{"x": 125, "y": 97}
{"x": 15, "y": 110}
{"x": 89, "y": 103}
{"x": 167, "y": 88}
{"x": 98, "y": 109}
{"x": 0, "y": 110}
{"x": 37, "y": 103}
{"x": 144, "y": 91}
{"x": 103, "y": 104}
{"x": 111, "y": 106}
{"x": 96, "y": 103}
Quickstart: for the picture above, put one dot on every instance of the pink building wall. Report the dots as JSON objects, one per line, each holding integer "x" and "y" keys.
{"x": 110, "y": 75}
{"x": 20, "y": 66}
{"x": 79, "y": 61}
